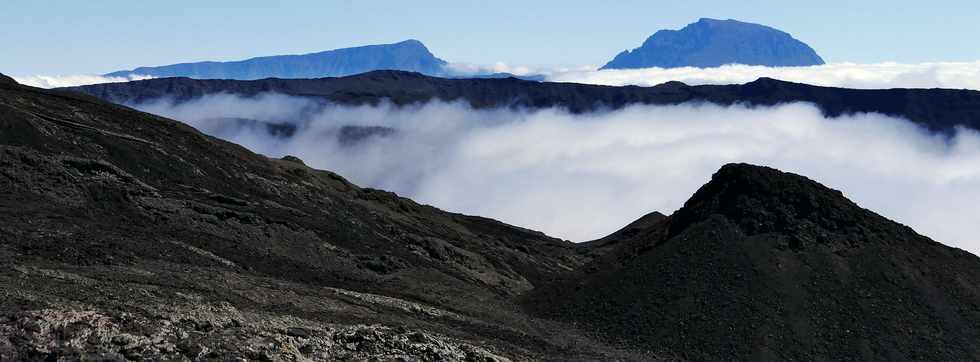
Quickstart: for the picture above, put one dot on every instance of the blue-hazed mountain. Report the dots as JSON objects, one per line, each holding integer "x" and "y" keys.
{"x": 713, "y": 43}
{"x": 409, "y": 55}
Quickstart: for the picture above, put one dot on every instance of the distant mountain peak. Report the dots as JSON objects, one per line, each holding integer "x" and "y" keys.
{"x": 717, "y": 21}
{"x": 712, "y": 42}
{"x": 411, "y": 42}
{"x": 407, "y": 43}
{"x": 407, "y": 55}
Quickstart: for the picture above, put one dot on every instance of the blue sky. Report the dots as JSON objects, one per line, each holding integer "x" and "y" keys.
{"x": 73, "y": 37}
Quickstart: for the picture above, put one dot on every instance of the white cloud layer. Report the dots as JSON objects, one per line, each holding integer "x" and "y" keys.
{"x": 581, "y": 177}
{"x": 848, "y": 75}
{"x": 962, "y": 75}
{"x": 55, "y": 81}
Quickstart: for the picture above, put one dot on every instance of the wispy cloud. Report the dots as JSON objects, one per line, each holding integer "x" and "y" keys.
{"x": 582, "y": 176}
{"x": 55, "y": 81}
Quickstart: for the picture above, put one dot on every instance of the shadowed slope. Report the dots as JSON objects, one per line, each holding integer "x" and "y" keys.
{"x": 107, "y": 214}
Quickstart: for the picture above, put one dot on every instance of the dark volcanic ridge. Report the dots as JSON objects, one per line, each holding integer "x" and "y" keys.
{"x": 934, "y": 109}
{"x": 125, "y": 235}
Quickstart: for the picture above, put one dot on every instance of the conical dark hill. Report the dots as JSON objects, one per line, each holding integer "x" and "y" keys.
{"x": 762, "y": 264}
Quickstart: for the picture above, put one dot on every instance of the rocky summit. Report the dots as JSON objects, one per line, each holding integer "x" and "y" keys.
{"x": 127, "y": 236}
{"x": 713, "y": 43}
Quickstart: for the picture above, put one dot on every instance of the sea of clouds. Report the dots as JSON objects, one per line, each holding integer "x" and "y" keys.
{"x": 580, "y": 177}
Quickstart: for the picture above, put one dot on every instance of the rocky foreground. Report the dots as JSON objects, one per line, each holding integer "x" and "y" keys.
{"x": 126, "y": 236}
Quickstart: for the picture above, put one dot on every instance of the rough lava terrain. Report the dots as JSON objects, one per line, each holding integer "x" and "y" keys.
{"x": 127, "y": 236}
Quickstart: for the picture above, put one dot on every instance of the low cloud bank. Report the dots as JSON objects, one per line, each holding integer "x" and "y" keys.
{"x": 581, "y": 177}
{"x": 56, "y": 81}
{"x": 962, "y": 75}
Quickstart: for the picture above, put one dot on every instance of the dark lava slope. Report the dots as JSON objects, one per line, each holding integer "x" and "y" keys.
{"x": 129, "y": 236}
{"x": 935, "y": 109}
{"x": 765, "y": 265}
{"x": 124, "y": 234}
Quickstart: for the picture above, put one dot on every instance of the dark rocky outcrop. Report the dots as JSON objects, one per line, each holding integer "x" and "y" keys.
{"x": 935, "y": 109}
{"x": 409, "y": 55}
{"x": 712, "y": 43}
{"x": 218, "y": 333}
